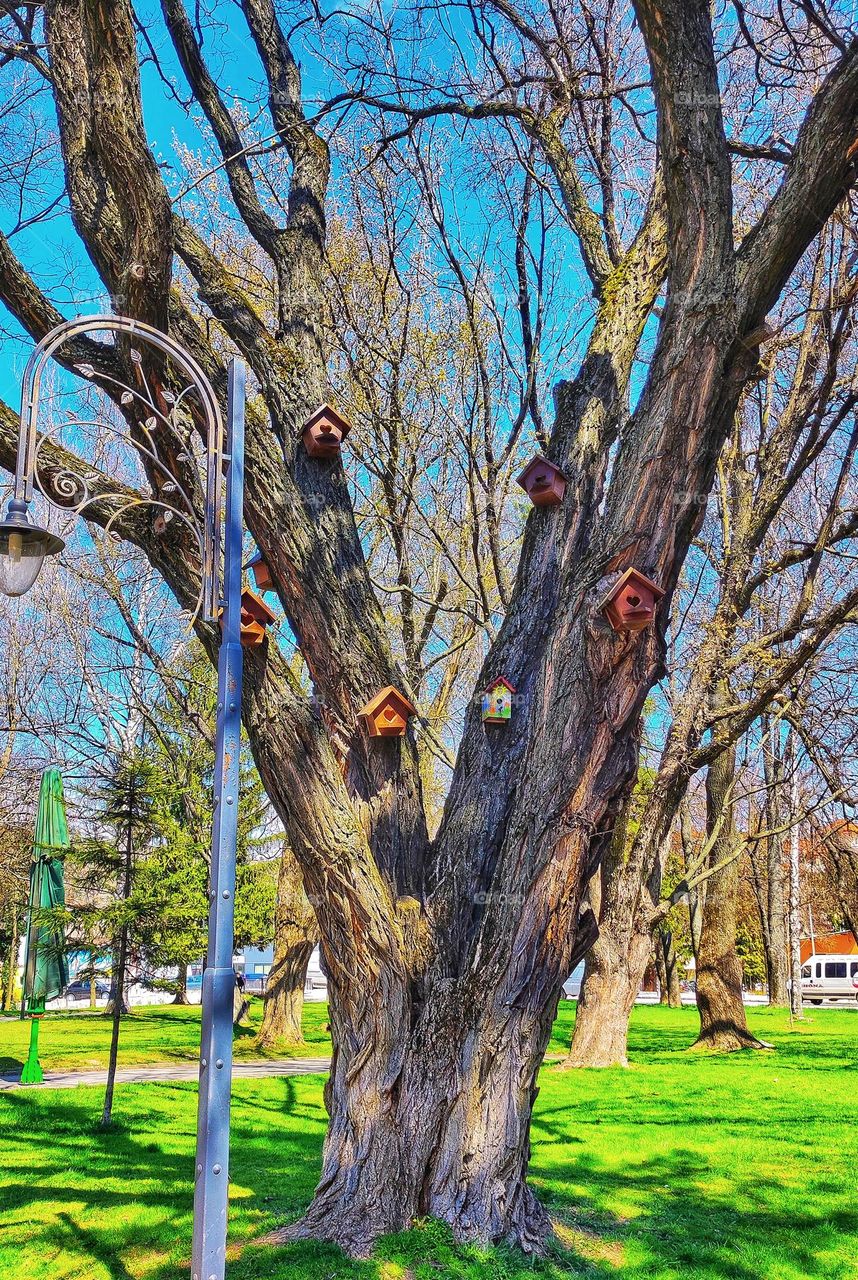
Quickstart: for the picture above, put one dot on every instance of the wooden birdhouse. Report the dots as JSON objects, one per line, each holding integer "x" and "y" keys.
{"x": 261, "y": 573}
{"x": 630, "y": 604}
{"x": 386, "y": 715}
{"x": 255, "y": 617}
{"x": 324, "y": 432}
{"x": 543, "y": 482}
{"x": 497, "y": 701}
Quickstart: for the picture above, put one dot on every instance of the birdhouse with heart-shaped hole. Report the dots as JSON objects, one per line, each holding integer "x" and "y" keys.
{"x": 497, "y": 701}
{"x": 261, "y": 573}
{"x": 631, "y": 603}
{"x": 543, "y": 482}
{"x": 386, "y": 715}
{"x": 255, "y": 617}
{"x": 324, "y": 432}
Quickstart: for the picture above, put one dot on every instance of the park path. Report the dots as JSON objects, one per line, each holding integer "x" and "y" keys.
{"x": 171, "y": 1071}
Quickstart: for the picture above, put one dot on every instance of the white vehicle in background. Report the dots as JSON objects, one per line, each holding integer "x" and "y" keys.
{"x": 829, "y": 978}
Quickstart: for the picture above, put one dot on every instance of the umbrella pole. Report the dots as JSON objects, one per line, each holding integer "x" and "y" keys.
{"x": 32, "y": 1072}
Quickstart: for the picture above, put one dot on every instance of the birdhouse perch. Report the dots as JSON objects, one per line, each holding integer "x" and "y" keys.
{"x": 497, "y": 701}
{"x": 631, "y": 602}
{"x": 324, "y": 432}
{"x": 261, "y": 573}
{"x": 255, "y": 617}
{"x": 543, "y": 482}
{"x": 386, "y": 715}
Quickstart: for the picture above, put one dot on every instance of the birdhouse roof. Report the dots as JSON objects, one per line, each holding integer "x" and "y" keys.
{"x": 631, "y": 575}
{"x": 388, "y": 695}
{"x": 539, "y": 460}
{"x": 256, "y": 606}
{"x": 493, "y": 684}
{"x": 327, "y": 411}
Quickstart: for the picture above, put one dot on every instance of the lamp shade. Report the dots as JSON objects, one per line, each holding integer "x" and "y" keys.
{"x": 23, "y": 547}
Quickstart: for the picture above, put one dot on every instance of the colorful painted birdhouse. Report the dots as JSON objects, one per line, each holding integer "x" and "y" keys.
{"x": 386, "y": 715}
{"x": 497, "y": 701}
{"x": 630, "y": 604}
{"x": 543, "y": 482}
{"x": 255, "y": 617}
{"x": 261, "y": 573}
{"x": 324, "y": 432}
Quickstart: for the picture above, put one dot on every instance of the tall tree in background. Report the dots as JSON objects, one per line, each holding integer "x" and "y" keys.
{"x": 446, "y": 954}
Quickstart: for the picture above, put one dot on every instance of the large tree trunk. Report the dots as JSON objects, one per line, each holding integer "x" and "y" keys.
{"x": 775, "y": 932}
{"x": 284, "y": 997}
{"x": 295, "y": 935}
{"x": 723, "y": 1024}
{"x": 181, "y": 996}
{"x": 667, "y": 962}
{"x": 613, "y": 974}
{"x": 451, "y": 1142}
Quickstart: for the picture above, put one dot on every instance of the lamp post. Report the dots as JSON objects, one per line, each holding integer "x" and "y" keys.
{"x": 24, "y": 546}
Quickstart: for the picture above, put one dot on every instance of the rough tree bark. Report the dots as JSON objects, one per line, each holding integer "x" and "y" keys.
{"x": 775, "y": 932}
{"x": 667, "y": 964}
{"x": 181, "y": 996}
{"x": 445, "y": 958}
{"x": 295, "y": 935}
{"x": 723, "y": 1024}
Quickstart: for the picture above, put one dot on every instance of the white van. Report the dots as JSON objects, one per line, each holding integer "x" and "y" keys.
{"x": 829, "y": 978}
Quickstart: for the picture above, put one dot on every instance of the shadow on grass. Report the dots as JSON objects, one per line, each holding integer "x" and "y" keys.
{"x": 125, "y": 1197}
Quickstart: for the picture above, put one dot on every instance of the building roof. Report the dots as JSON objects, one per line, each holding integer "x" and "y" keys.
{"x": 829, "y": 944}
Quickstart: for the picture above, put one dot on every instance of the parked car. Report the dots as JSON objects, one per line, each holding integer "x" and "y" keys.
{"x": 80, "y": 989}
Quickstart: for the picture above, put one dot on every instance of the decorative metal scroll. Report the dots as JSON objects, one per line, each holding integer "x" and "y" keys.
{"x": 71, "y": 490}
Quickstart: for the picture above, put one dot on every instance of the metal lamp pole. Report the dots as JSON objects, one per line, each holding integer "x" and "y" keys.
{"x": 212, "y": 1158}
{"x": 23, "y": 548}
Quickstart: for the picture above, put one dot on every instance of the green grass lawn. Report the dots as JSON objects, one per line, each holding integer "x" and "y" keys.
{"x": 683, "y": 1167}
{"x": 154, "y": 1033}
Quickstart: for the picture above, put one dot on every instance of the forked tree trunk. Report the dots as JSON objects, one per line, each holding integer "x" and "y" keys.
{"x": 295, "y": 935}
{"x": 723, "y": 1024}
{"x": 450, "y": 1142}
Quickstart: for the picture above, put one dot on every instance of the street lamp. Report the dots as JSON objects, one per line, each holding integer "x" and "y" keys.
{"x": 23, "y": 549}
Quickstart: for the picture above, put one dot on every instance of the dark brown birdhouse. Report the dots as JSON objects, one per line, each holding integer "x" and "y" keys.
{"x": 255, "y": 617}
{"x": 261, "y": 573}
{"x": 497, "y": 701}
{"x": 324, "y": 432}
{"x": 543, "y": 482}
{"x": 386, "y": 715}
{"x": 631, "y": 602}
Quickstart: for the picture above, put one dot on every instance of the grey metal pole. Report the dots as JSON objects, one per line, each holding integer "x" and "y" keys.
{"x": 212, "y": 1158}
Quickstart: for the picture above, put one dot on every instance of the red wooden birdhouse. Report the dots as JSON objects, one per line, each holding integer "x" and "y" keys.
{"x": 386, "y": 715}
{"x": 497, "y": 701}
{"x": 543, "y": 482}
{"x": 324, "y": 432}
{"x": 631, "y": 602}
{"x": 255, "y": 617}
{"x": 261, "y": 573}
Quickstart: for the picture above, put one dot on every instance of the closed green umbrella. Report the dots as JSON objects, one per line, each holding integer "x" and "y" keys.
{"x": 45, "y": 966}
